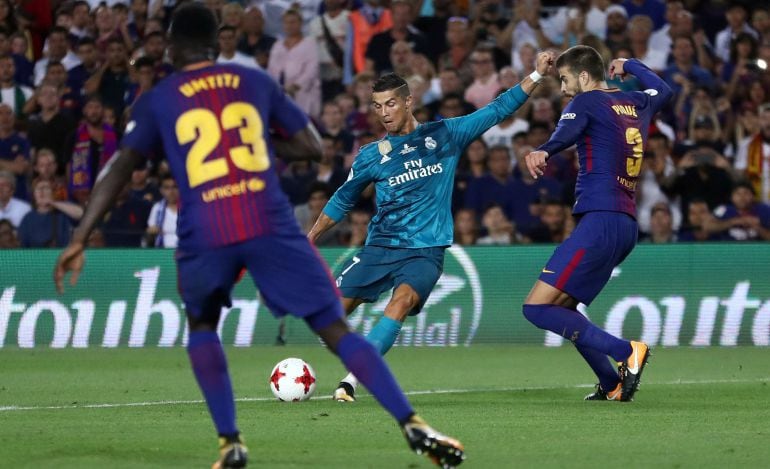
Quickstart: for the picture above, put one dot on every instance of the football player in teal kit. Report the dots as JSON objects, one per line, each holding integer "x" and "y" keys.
{"x": 413, "y": 169}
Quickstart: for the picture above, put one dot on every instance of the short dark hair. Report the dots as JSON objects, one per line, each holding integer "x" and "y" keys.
{"x": 144, "y": 61}
{"x": 86, "y": 41}
{"x": 153, "y": 34}
{"x": 391, "y": 81}
{"x": 226, "y": 27}
{"x": 582, "y": 59}
{"x": 743, "y": 183}
{"x": 193, "y": 33}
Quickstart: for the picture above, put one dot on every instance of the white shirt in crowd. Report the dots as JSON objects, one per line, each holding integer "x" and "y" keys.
{"x": 14, "y": 211}
{"x": 239, "y": 58}
{"x": 8, "y": 96}
{"x": 742, "y": 162}
{"x": 70, "y": 61}
{"x": 167, "y": 226}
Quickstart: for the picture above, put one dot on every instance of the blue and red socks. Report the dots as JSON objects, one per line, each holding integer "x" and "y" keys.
{"x": 575, "y": 327}
{"x": 210, "y": 367}
{"x": 362, "y": 360}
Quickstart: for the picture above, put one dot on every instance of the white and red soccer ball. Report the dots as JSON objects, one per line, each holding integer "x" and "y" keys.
{"x": 292, "y": 380}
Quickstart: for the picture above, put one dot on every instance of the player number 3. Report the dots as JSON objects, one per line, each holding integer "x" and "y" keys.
{"x": 202, "y": 127}
{"x": 634, "y": 163}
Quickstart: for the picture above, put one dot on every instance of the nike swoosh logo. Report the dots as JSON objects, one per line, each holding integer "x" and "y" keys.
{"x": 634, "y": 369}
{"x": 545, "y": 271}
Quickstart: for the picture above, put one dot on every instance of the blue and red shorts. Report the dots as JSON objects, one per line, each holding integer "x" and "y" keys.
{"x": 582, "y": 265}
{"x": 287, "y": 270}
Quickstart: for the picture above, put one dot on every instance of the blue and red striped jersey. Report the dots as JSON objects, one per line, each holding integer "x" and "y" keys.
{"x": 610, "y": 130}
{"x": 213, "y": 125}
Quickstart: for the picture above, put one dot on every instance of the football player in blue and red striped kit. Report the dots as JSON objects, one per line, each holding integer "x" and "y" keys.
{"x": 212, "y": 123}
{"x": 610, "y": 128}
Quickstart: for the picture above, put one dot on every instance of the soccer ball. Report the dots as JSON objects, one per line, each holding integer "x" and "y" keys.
{"x": 292, "y": 380}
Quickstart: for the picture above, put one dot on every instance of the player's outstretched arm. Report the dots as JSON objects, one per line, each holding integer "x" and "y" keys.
{"x": 110, "y": 182}
{"x": 468, "y": 128}
{"x": 303, "y": 145}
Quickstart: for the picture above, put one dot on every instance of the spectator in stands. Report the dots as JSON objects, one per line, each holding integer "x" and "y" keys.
{"x": 90, "y": 146}
{"x": 466, "y": 229}
{"x": 684, "y": 67}
{"x": 617, "y": 27}
{"x": 701, "y": 175}
{"x": 329, "y": 170}
{"x": 496, "y": 186}
{"x": 551, "y": 228}
{"x": 16, "y": 45}
{"x": 333, "y": 126}
{"x": 8, "y": 20}
{"x": 640, "y": 28}
{"x": 154, "y": 48}
{"x": 449, "y": 83}
{"x": 736, "y": 23}
{"x": 502, "y": 133}
{"x": 752, "y": 161}
{"x": 81, "y": 22}
{"x": 434, "y": 26}
{"x": 472, "y": 165}
{"x": 744, "y": 219}
{"x": 77, "y": 76}
{"x": 359, "y": 227}
{"x": 528, "y": 28}
{"x": 126, "y": 224}
{"x": 294, "y": 64}
{"x": 112, "y": 79}
{"x": 400, "y": 61}
{"x": 228, "y": 54}
{"x": 11, "y": 208}
{"x": 109, "y": 29}
{"x": 760, "y": 22}
{"x": 653, "y": 9}
{"x": 499, "y": 229}
{"x": 661, "y": 228}
{"x": 141, "y": 186}
{"x": 365, "y": 22}
{"x": 529, "y": 194}
{"x": 307, "y": 213}
{"x": 14, "y": 151}
{"x": 378, "y": 49}
{"x": 58, "y": 51}
{"x": 662, "y": 38}
{"x": 12, "y": 94}
{"x": 161, "y": 225}
{"x": 458, "y": 49}
{"x": 143, "y": 78}
{"x": 50, "y": 127}
{"x": 701, "y": 224}
{"x": 8, "y": 238}
{"x": 49, "y": 223}
{"x": 330, "y": 31}
{"x": 45, "y": 169}
{"x": 741, "y": 70}
{"x": 485, "y": 86}
{"x": 254, "y": 42}
{"x": 232, "y": 15}
{"x": 657, "y": 166}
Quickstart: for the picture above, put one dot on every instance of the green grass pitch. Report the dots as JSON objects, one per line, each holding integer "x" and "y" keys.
{"x": 512, "y": 406}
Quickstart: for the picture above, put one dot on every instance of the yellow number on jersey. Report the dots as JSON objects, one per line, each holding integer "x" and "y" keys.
{"x": 634, "y": 163}
{"x": 201, "y": 126}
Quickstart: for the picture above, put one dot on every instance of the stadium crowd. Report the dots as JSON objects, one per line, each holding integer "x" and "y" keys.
{"x": 70, "y": 71}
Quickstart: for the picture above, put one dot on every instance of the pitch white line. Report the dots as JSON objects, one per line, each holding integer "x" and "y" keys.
{"x": 408, "y": 393}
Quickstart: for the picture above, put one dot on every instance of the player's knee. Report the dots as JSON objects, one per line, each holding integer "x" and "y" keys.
{"x": 399, "y": 307}
{"x": 535, "y": 313}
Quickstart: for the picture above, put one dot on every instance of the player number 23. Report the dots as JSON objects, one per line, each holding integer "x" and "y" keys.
{"x": 202, "y": 127}
{"x": 634, "y": 163}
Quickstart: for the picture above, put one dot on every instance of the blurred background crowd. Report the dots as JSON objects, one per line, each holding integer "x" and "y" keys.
{"x": 70, "y": 71}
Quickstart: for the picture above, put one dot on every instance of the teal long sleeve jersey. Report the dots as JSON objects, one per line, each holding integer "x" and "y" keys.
{"x": 414, "y": 175}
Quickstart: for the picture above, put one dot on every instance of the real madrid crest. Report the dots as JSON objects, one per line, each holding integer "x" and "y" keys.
{"x": 430, "y": 144}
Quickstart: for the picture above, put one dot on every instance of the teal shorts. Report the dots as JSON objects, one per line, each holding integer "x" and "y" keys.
{"x": 376, "y": 269}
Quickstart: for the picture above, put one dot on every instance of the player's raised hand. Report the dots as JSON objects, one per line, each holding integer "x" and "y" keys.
{"x": 70, "y": 260}
{"x": 536, "y": 162}
{"x": 544, "y": 62}
{"x": 617, "y": 69}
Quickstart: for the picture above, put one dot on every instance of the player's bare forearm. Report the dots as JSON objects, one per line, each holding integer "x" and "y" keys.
{"x": 321, "y": 226}
{"x": 303, "y": 145}
{"x": 110, "y": 182}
